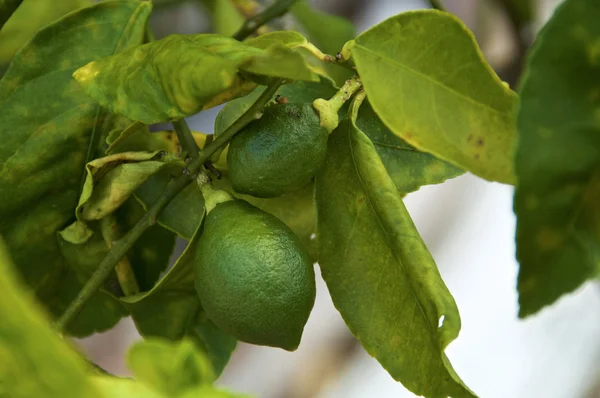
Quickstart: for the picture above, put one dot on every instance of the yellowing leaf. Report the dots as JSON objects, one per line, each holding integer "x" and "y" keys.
{"x": 111, "y": 180}
{"x": 46, "y": 124}
{"x": 36, "y": 362}
{"x": 180, "y": 75}
{"x": 380, "y": 275}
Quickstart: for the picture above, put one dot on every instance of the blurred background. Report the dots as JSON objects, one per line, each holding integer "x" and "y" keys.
{"x": 468, "y": 225}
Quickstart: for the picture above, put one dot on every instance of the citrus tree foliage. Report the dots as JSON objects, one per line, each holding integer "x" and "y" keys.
{"x": 329, "y": 130}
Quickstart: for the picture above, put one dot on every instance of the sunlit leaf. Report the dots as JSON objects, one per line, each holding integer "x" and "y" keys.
{"x": 558, "y": 159}
{"x": 169, "y": 367}
{"x": 182, "y": 74}
{"x": 408, "y": 167}
{"x": 432, "y": 87}
{"x": 36, "y": 362}
{"x": 380, "y": 275}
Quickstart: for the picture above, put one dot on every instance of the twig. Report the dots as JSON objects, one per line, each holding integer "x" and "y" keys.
{"x": 125, "y": 275}
{"x": 512, "y": 73}
{"x": 436, "y": 4}
{"x": 7, "y": 8}
{"x": 121, "y": 247}
{"x": 186, "y": 139}
{"x": 252, "y": 24}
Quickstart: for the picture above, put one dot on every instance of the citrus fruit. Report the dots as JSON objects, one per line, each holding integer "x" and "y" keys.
{"x": 279, "y": 153}
{"x": 254, "y": 278}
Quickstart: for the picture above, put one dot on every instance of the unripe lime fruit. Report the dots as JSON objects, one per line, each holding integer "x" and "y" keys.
{"x": 279, "y": 153}
{"x": 254, "y": 278}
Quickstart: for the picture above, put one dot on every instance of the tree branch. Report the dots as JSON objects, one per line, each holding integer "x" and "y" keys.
{"x": 121, "y": 247}
{"x": 186, "y": 139}
{"x": 252, "y": 24}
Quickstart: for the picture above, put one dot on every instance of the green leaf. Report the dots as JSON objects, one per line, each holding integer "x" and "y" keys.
{"x": 169, "y": 367}
{"x": 432, "y": 87}
{"x": 172, "y": 310}
{"x": 286, "y": 38}
{"x": 28, "y": 19}
{"x": 35, "y": 361}
{"x": 182, "y": 74}
{"x": 408, "y": 167}
{"x": 379, "y": 272}
{"x": 111, "y": 180}
{"x": 558, "y": 159}
{"x": 151, "y": 253}
{"x": 46, "y": 123}
{"x": 328, "y": 32}
{"x": 115, "y": 387}
{"x": 226, "y": 19}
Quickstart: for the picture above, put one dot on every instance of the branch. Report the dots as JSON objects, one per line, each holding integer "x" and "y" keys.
{"x": 7, "y": 8}
{"x": 518, "y": 23}
{"x": 121, "y": 247}
{"x": 252, "y": 24}
{"x": 186, "y": 139}
{"x": 437, "y": 5}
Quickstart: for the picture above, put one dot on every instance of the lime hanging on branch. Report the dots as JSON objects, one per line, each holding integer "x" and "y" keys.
{"x": 254, "y": 278}
{"x": 283, "y": 150}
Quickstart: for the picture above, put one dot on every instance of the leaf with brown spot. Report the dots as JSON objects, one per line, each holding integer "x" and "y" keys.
{"x": 180, "y": 75}
{"x": 380, "y": 274}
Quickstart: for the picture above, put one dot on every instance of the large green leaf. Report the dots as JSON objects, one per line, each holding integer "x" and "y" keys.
{"x": 429, "y": 83}
{"x": 45, "y": 124}
{"x": 408, "y": 167}
{"x": 28, "y": 19}
{"x": 328, "y": 32}
{"x": 379, "y": 272}
{"x": 557, "y": 200}
{"x": 182, "y": 74}
{"x": 35, "y": 361}
{"x": 172, "y": 310}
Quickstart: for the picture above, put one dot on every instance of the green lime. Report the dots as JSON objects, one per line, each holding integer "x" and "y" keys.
{"x": 279, "y": 153}
{"x": 253, "y": 277}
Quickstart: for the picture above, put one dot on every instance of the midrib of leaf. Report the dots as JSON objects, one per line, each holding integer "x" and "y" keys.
{"x": 392, "y": 146}
{"x": 385, "y": 232}
{"x": 434, "y": 82}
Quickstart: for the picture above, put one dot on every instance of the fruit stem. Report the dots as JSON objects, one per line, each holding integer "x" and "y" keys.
{"x": 122, "y": 246}
{"x": 125, "y": 275}
{"x": 252, "y": 24}
{"x": 212, "y": 196}
{"x": 186, "y": 139}
{"x": 328, "y": 109}
{"x": 356, "y": 103}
